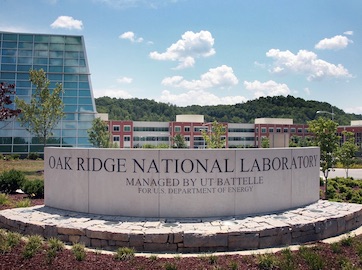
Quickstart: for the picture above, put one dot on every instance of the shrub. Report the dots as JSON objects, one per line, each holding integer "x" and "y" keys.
{"x": 79, "y": 251}
{"x": 34, "y": 188}
{"x": 35, "y": 242}
{"x": 23, "y": 203}
{"x": 170, "y": 266}
{"x": 33, "y": 156}
{"x": 54, "y": 245}
{"x": 4, "y": 199}
{"x": 11, "y": 180}
{"x": 124, "y": 253}
{"x": 267, "y": 261}
{"x": 312, "y": 258}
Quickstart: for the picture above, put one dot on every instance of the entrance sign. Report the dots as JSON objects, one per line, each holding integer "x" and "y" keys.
{"x": 181, "y": 183}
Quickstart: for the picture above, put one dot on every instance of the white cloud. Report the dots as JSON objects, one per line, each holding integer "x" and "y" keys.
{"x": 348, "y": 33}
{"x": 269, "y": 88}
{"x": 307, "y": 91}
{"x": 356, "y": 110}
{"x": 200, "y": 97}
{"x": 111, "y": 92}
{"x": 220, "y": 77}
{"x": 187, "y": 49}
{"x": 126, "y": 80}
{"x": 67, "y": 22}
{"x": 305, "y": 62}
{"x": 131, "y": 37}
{"x": 334, "y": 43}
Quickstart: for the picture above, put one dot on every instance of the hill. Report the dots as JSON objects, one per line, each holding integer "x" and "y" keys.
{"x": 298, "y": 109}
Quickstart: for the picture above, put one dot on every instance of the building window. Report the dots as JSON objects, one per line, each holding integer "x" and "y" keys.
{"x": 127, "y": 138}
{"x": 187, "y": 129}
{"x": 116, "y": 138}
{"x": 285, "y": 130}
{"x": 187, "y": 138}
{"x": 271, "y": 130}
{"x": 107, "y": 128}
{"x": 127, "y": 128}
{"x": 177, "y": 129}
{"x": 279, "y": 130}
{"x": 116, "y": 128}
{"x": 300, "y": 130}
{"x": 263, "y": 130}
{"x": 292, "y": 130}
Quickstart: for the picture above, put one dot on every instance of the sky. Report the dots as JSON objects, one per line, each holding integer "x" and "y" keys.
{"x": 209, "y": 52}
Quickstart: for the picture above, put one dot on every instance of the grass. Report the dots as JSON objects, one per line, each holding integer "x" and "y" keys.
{"x": 30, "y": 168}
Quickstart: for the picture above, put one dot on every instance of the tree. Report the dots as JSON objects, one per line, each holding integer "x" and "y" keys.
{"x": 45, "y": 109}
{"x": 99, "y": 135}
{"x": 5, "y": 101}
{"x": 179, "y": 141}
{"x": 214, "y": 139}
{"x": 265, "y": 143}
{"x": 347, "y": 152}
{"x": 326, "y": 138}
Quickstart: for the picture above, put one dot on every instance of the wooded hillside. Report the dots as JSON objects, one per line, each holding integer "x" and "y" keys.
{"x": 298, "y": 109}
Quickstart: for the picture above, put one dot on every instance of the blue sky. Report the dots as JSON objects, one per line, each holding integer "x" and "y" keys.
{"x": 209, "y": 52}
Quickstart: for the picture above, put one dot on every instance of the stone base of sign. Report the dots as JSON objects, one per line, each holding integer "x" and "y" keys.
{"x": 314, "y": 222}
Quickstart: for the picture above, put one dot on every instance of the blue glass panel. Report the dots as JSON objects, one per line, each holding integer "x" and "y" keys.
{"x": 26, "y": 45}
{"x": 72, "y": 55}
{"x": 86, "y": 101}
{"x": 70, "y": 116}
{"x": 25, "y": 53}
{"x": 41, "y": 54}
{"x": 55, "y": 69}
{"x": 5, "y": 148}
{"x": 36, "y": 148}
{"x": 70, "y": 108}
{"x": 10, "y": 36}
{"x": 8, "y": 44}
{"x": 56, "y": 132}
{"x": 9, "y": 52}
{"x": 70, "y": 140}
{"x": 56, "y": 62}
{"x": 69, "y": 124}
{"x": 5, "y": 140}
{"x": 73, "y": 47}
{"x": 83, "y": 78}
{"x": 41, "y": 38}
{"x": 57, "y": 39}
{"x": 55, "y": 77}
{"x": 83, "y": 70}
{"x": 82, "y": 63}
{"x": 70, "y": 78}
{"x": 8, "y": 60}
{"x": 85, "y": 108}
{"x": 22, "y": 92}
{"x": 83, "y": 140}
{"x": 24, "y": 67}
{"x": 69, "y": 133}
{"x": 73, "y": 40}
{"x": 70, "y": 85}
{"x": 8, "y": 67}
{"x": 7, "y": 75}
{"x": 84, "y": 93}
{"x": 40, "y": 61}
{"x": 56, "y": 54}
{"x": 23, "y": 76}
{"x": 83, "y": 125}
{"x": 84, "y": 85}
{"x": 23, "y": 84}
{"x": 69, "y": 100}
{"x": 57, "y": 47}
{"x": 71, "y": 69}
{"x": 25, "y": 60}
{"x": 37, "y": 67}
{"x": 41, "y": 46}
{"x": 86, "y": 117}
{"x": 25, "y": 37}
{"x": 70, "y": 93}
{"x": 71, "y": 62}
{"x": 20, "y": 140}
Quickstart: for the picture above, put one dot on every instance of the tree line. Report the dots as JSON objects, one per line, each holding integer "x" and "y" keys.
{"x": 300, "y": 110}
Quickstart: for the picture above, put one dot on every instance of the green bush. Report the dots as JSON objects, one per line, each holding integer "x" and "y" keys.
{"x": 35, "y": 242}
{"x": 33, "y": 156}
{"x": 11, "y": 180}
{"x": 79, "y": 251}
{"x": 34, "y": 188}
{"x": 124, "y": 253}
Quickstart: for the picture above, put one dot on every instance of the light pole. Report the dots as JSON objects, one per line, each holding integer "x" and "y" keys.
{"x": 331, "y": 113}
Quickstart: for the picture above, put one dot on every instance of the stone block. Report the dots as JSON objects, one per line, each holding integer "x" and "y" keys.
{"x": 192, "y": 239}
{"x": 50, "y": 231}
{"x": 120, "y": 237}
{"x": 156, "y": 238}
{"x": 70, "y": 231}
{"x": 85, "y": 240}
{"x": 74, "y": 238}
{"x": 330, "y": 229}
{"x": 136, "y": 240}
{"x": 243, "y": 241}
{"x": 160, "y": 247}
{"x": 177, "y": 237}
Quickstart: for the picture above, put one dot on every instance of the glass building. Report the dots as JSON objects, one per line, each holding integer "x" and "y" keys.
{"x": 64, "y": 60}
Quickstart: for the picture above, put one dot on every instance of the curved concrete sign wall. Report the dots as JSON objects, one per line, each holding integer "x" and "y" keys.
{"x": 180, "y": 183}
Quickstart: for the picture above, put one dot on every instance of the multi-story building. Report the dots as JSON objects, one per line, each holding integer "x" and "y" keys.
{"x": 64, "y": 60}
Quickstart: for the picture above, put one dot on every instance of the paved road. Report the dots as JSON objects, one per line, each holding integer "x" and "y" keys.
{"x": 355, "y": 173}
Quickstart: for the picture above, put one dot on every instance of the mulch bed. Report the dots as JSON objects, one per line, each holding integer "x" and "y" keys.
{"x": 65, "y": 259}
